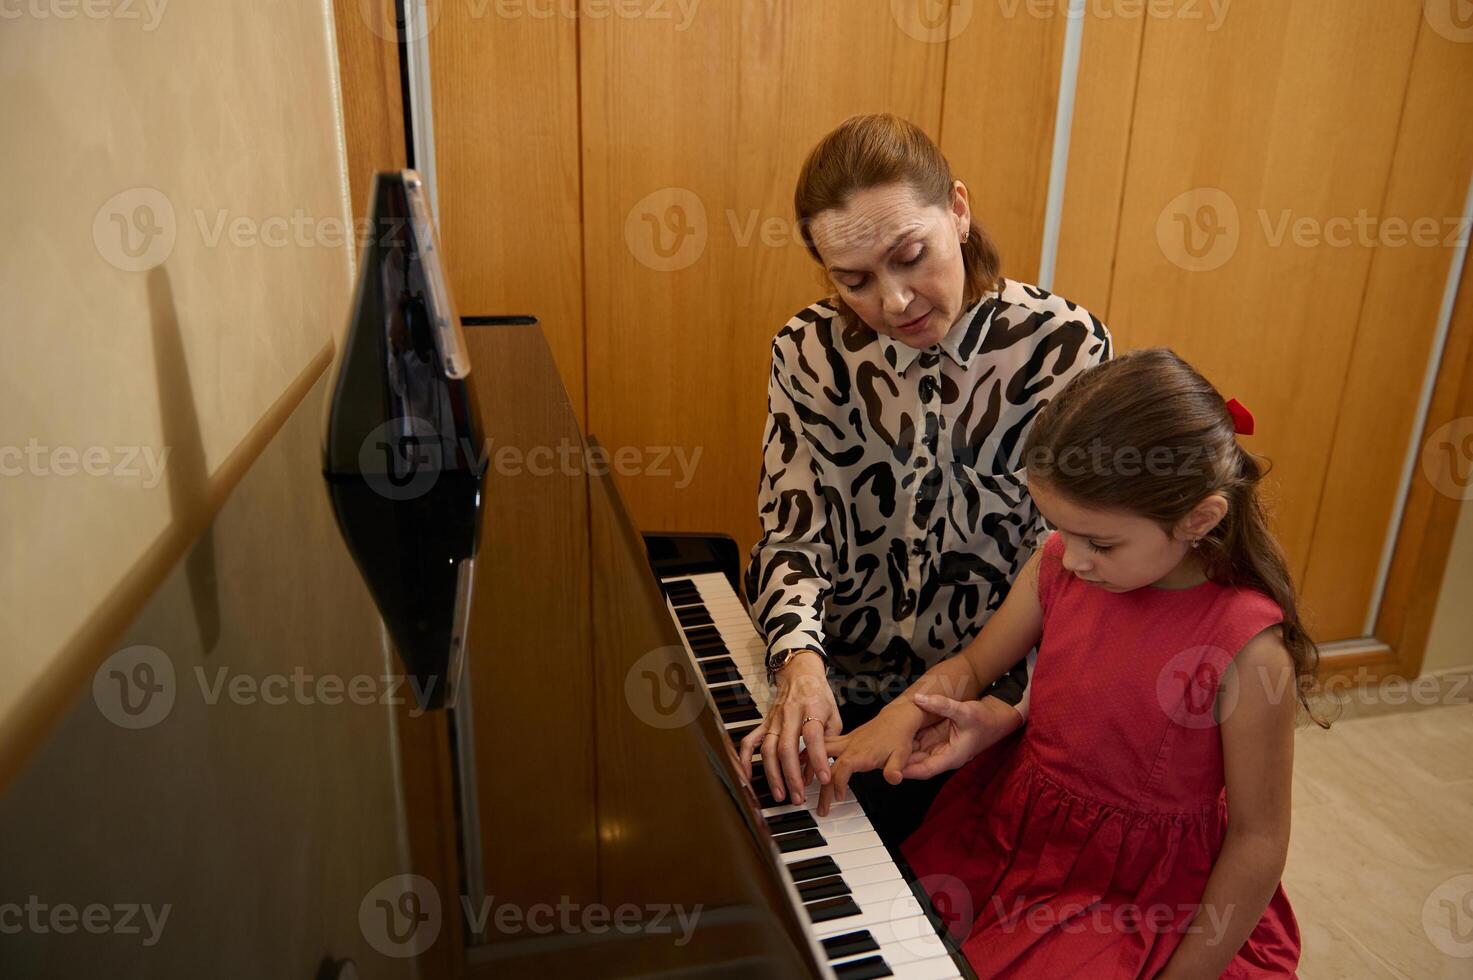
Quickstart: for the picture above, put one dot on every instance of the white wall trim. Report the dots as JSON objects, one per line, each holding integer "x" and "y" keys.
{"x": 1053, "y": 214}
{"x": 1424, "y": 404}
{"x": 421, "y": 103}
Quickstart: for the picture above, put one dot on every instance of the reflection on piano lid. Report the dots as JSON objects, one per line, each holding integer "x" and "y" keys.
{"x": 402, "y": 434}
{"x": 859, "y": 898}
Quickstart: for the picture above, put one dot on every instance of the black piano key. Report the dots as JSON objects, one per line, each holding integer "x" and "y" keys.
{"x": 865, "y": 969}
{"x": 850, "y": 944}
{"x": 731, "y": 713}
{"x": 832, "y": 908}
{"x": 810, "y": 868}
{"x": 760, "y": 789}
{"x": 720, "y": 669}
{"x": 739, "y": 733}
{"x": 801, "y": 841}
{"x": 819, "y": 888}
{"x": 692, "y": 616}
{"x": 733, "y": 694}
{"x": 787, "y": 823}
{"x": 731, "y": 691}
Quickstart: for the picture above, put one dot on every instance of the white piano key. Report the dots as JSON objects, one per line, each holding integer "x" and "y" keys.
{"x": 908, "y": 939}
{"x": 848, "y": 808}
{"x": 873, "y": 874}
{"x": 851, "y": 860}
{"x": 843, "y": 845}
{"x": 940, "y": 968}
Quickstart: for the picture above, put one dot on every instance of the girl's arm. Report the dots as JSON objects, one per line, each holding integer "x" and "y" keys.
{"x": 1258, "y": 696}
{"x": 886, "y": 740}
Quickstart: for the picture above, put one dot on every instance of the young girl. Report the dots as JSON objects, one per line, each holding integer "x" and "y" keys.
{"x": 1138, "y": 825}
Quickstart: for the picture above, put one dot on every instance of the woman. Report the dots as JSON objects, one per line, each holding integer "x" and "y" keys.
{"x": 894, "y": 514}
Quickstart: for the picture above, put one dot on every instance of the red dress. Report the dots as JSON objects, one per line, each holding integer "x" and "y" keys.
{"x": 1081, "y": 847}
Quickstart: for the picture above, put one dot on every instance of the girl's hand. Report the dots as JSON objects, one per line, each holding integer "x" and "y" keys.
{"x": 965, "y": 729}
{"x": 885, "y": 741}
{"x": 804, "y": 706}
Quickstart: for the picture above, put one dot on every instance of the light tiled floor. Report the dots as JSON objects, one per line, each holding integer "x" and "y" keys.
{"x": 1380, "y": 869}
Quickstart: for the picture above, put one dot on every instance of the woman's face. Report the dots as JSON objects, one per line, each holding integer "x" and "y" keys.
{"x": 896, "y": 261}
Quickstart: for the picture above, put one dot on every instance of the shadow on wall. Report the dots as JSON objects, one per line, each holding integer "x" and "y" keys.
{"x": 187, "y": 473}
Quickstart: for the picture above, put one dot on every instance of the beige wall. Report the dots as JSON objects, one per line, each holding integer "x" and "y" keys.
{"x": 165, "y": 122}
{"x": 1450, "y": 644}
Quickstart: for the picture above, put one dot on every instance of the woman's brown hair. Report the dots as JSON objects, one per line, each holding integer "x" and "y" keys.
{"x": 877, "y": 149}
{"x": 1152, "y": 437}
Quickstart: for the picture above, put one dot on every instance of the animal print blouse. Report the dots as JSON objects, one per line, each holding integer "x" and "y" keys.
{"x": 893, "y": 507}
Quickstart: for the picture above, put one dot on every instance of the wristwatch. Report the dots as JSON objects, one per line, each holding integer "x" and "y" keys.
{"x": 777, "y": 661}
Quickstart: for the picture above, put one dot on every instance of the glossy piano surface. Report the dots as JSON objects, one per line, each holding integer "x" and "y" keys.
{"x": 602, "y": 771}
{"x": 292, "y": 826}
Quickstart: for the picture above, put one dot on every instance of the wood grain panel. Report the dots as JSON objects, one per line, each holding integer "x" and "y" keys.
{"x": 504, "y": 79}
{"x": 373, "y": 109}
{"x": 696, "y": 134}
{"x": 1394, "y": 339}
{"x": 997, "y": 123}
{"x": 1099, "y": 150}
{"x": 1259, "y": 123}
{"x": 530, "y": 635}
{"x": 1426, "y": 532}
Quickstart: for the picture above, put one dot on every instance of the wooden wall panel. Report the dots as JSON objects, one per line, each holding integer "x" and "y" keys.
{"x": 373, "y": 109}
{"x": 1424, "y": 539}
{"x": 1253, "y": 122}
{"x": 696, "y": 133}
{"x": 997, "y": 123}
{"x": 1394, "y": 339}
{"x": 1099, "y": 149}
{"x": 504, "y": 79}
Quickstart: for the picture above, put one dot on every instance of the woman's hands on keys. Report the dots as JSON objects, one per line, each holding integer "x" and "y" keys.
{"x": 803, "y": 692}
{"x": 965, "y": 729}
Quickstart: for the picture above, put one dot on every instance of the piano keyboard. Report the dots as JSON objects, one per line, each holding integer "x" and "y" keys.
{"x": 859, "y": 905}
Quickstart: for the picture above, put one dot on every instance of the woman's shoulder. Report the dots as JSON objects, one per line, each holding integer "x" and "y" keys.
{"x": 815, "y": 318}
{"x": 818, "y": 334}
{"x": 1028, "y": 299}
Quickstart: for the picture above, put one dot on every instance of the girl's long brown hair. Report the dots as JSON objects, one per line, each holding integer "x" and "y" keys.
{"x": 1150, "y": 405}
{"x": 881, "y": 148}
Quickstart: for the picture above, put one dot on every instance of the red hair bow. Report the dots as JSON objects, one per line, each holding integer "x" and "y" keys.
{"x": 1242, "y": 418}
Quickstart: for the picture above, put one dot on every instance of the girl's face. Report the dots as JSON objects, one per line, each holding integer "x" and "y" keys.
{"x": 896, "y": 261}
{"x": 1120, "y": 552}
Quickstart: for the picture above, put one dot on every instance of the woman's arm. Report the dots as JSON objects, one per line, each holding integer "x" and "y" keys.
{"x": 1259, "y": 706}
{"x": 787, "y": 584}
{"x": 886, "y": 740}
